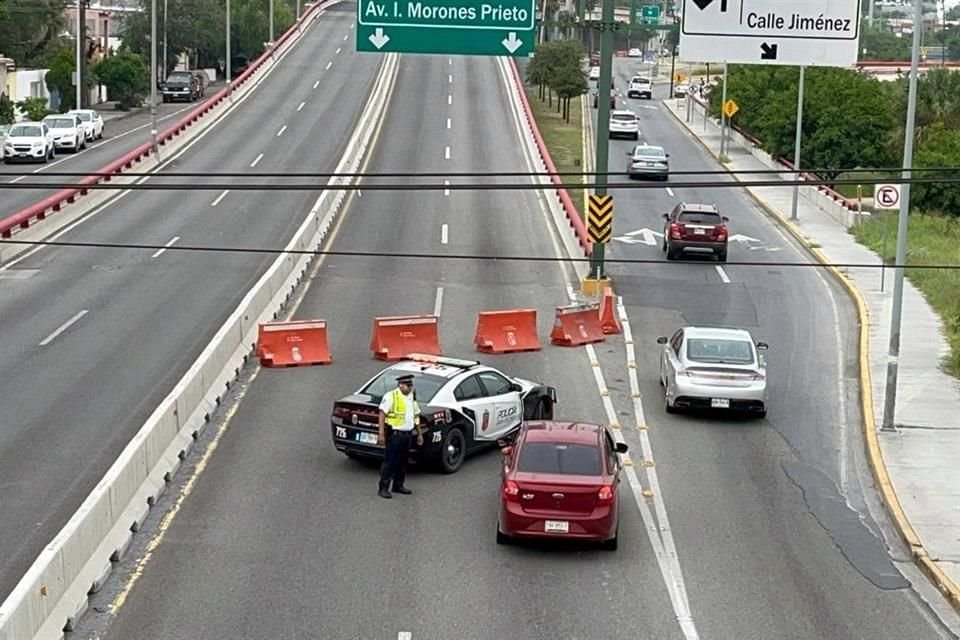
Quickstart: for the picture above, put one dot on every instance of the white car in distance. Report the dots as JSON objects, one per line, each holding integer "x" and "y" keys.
{"x": 91, "y": 121}
{"x": 624, "y": 124}
{"x": 29, "y": 142}
{"x": 68, "y": 132}
{"x": 594, "y": 73}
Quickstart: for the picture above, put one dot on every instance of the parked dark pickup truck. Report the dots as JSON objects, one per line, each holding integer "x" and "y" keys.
{"x": 181, "y": 85}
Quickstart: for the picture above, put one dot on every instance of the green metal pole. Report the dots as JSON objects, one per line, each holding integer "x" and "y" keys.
{"x": 581, "y": 14}
{"x": 607, "y": 25}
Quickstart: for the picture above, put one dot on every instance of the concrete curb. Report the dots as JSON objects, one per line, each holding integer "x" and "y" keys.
{"x": 888, "y": 495}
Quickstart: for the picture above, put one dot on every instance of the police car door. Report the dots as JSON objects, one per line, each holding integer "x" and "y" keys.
{"x": 508, "y": 404}
{"x": 474, "y": 404}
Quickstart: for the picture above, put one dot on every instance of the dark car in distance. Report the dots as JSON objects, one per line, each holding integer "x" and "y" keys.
{"x": 695, "y": 228}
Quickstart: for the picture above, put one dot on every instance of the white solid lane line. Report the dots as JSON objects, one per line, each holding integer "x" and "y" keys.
{"x": 257, "y": 161}
{"x": 669, "y": 192}
{"x": 316, "y": 84}
{"x": 448, "y": 123}
{"x": 444, "y": 233}
{"x": 66, "y": 325}
{"x": 282, "y": 129}
{"x": 329, "y": 64}
{"x": 438, "y": 303}
{"x": 160, "y": 252}
{"x": 220, "y": 197}
{"x": 446, "y": 192}
{"x": 302, "y": 105}
{"x": 723, "y": 274}
{"x": 446, "y": 153}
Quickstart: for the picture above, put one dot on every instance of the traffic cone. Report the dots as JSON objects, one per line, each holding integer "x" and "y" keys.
{"x": 608, "y": 315}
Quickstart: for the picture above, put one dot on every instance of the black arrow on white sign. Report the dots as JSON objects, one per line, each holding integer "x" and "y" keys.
{"x": 768, "y": 51}
{"x": 702, "y": 4}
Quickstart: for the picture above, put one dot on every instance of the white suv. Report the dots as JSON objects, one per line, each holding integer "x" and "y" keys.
{"x": 29, "y": 142}
{"x": 640, "y": 87}
{"x": 624, "y": 123}
{"x": 68, "y": 132}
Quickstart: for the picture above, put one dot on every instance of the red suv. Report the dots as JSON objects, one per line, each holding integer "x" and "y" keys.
{"x": 560, "y": 480}
{"x": 695, "y": 228}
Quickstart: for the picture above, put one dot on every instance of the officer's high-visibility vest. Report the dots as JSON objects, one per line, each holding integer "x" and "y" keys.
{"x": 398, "y": 410}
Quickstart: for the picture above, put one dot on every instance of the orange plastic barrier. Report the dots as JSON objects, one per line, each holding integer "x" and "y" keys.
{"x": 396, "y": 336}
{"x": 609, "y": 323}
{"x": 293, "y": 344}
{"x": 577, "y": 324}
{"x": 507, "y": 331}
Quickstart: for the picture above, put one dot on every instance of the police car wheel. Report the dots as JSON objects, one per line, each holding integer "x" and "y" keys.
{"x": 453, "y": 451}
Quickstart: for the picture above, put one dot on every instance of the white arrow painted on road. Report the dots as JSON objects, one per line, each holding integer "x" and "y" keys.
{"x": 511, "y": 42}
{"x": 640, "y": 236}
{"x": 740, "y": 238}
{"x": 379, "y": 38}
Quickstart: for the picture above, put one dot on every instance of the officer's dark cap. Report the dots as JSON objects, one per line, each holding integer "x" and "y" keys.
{"x": 405, "y": 379}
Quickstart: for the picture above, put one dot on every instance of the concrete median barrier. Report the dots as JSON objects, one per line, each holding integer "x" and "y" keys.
{"x": 54, "y": 592}
{"x": 57, "y": 211}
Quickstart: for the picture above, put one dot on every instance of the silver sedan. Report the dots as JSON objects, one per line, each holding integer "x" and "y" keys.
{"x": 713, "y": 368}
{"x": 648, "y": 160}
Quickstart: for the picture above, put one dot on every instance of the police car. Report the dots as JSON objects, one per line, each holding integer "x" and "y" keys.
{"x": 466, "y": 406}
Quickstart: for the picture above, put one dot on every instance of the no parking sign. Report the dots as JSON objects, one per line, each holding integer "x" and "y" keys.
{"x": 887, "y": 196}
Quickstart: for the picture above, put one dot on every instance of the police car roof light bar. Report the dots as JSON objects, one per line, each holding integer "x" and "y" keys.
{"x": 450, "y": 362}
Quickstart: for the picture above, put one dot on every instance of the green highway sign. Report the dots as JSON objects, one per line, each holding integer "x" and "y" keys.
{"x": 469, "y": 27}
{"x": 650, "y": 13}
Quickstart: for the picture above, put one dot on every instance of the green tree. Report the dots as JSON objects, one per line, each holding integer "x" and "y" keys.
{"x": 61, "y": 64}
{"x": 878, "y": 43}
{"x": 953, "y": 13}
{"x": 35, "y": 108}
{"x": 126, "y": 78}
{"x": 570, "y": 82}
{"x": 193, "y": 27}
{"x": 251, "y": 25}
{"x": 6, "y": 109}
{"x": 29, "y": 27}
{"x": 941, "y": 149}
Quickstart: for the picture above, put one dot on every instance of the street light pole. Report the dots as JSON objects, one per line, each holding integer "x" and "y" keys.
{"x": 893, "y": 356}
{"x": 271, "y": 21}
{"x": 79, "y": 56}
{"x": 229, "y": 78}
{"x": 164, "y": 39}
{"x": 604, "y": 89}
{"x": 796, "y": 149}
{"x": 723, "y": 114}
{"x": 153, "y": 76}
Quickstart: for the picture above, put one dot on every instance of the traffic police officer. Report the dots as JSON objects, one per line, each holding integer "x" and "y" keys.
{"x": 399, "y": 416}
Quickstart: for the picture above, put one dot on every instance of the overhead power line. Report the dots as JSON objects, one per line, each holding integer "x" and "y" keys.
{"x": 485, "y": 257}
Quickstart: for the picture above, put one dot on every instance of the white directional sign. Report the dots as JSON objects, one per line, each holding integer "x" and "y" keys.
{"x": 781, "y": 32}
{"x": 887, "y": 196}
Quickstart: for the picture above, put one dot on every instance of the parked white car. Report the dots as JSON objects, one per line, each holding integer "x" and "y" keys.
{"x": 594, "y": 73}
{"x": 4, "y": 129}
{"x": 92, "y": 123}
{"x": 68, "y": 132}
{"x": 29, "y": 142}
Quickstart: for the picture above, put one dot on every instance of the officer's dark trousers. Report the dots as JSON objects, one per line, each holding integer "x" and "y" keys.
{"x": 395, "y": 461}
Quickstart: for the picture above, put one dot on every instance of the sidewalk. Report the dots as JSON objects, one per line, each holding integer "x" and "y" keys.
{"x": 922, "y": 457}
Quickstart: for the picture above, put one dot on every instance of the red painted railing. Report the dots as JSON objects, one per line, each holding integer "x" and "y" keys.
{"x": 565, "y": 200}
{"x": 51, "y": 204}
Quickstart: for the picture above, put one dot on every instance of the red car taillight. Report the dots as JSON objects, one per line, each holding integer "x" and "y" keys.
{"x": 605, "y": 495}
{"x": 341, "y": 412}
{"x": 721, "y": 233}
{"x": 511, "y": 491}
{"x": 674, "y": 230}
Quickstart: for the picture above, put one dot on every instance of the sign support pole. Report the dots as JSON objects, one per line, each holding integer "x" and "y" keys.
{"x": 890, "y": 394}
{"x": 607, "y": 25}
{"x": 723, "y": 116}
{"x": 796, "y": 148}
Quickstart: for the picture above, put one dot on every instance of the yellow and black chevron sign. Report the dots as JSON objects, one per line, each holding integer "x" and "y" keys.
{"x": 600, "y": 219}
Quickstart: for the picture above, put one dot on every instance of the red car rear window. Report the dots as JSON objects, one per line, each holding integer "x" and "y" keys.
{"x": 700, "y": 217}
{"x": 560, "y": 458}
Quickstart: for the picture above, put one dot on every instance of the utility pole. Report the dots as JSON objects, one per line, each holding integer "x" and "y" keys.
{"x": 604, "y": 89}
{"x": 271, "y": 21}
{"x": 229, "y": 78}
{"x": 298, "y": 10}
{"x": 796, "y": 149}
{"x": 82, "y": 38}
{"x": 723, "y": 115}
{"x": 79, "y": 96}
{"x": 890, "y": 395}
{"x": 153, "y": 77}
{"x": 165, "y": 39}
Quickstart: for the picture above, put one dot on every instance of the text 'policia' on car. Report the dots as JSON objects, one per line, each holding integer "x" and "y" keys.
{"x": 466, "y": 406}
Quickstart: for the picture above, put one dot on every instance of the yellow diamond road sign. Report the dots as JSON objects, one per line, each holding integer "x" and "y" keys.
{"x": 730, "y": 108}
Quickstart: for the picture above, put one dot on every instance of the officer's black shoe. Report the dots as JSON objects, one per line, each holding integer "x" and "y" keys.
{"x": 383, "y": 493}
{"x": 402, "y": 490}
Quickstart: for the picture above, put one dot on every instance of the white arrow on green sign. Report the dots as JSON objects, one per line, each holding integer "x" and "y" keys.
{"x": 451, "y": 27}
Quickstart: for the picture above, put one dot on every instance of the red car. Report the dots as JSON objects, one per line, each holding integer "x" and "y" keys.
{"x": 560, "y": 480}
{"x": 695, "y": 228}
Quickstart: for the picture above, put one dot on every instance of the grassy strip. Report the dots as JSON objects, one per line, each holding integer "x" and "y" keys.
{"x": 564, "y": 140}
{"x": 931, "y": 239}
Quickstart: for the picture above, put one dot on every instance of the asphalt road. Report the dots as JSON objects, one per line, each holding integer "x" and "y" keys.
{"x": 283, "y": 536}
{"x": 95, "y": 338}
{"x": 282, "y": 517}
{"x": 119, "y": 137}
